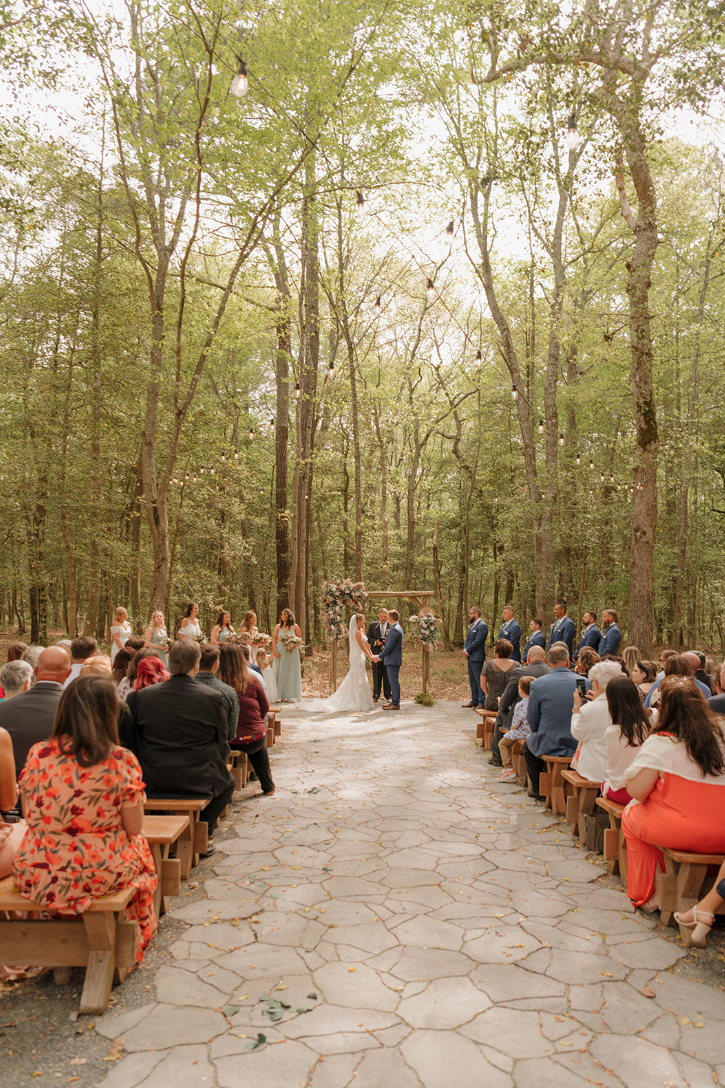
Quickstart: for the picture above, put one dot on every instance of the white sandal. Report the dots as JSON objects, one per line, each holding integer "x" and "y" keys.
{"x": 694, "y": 933}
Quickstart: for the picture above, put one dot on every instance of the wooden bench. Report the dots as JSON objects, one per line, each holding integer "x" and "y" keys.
{"x": 194, "y": 839}
{"x": 581, "y": 795}
{"x": 551, "y": 783}
{"x": 685, "y": 881}
{"x": 101, "y": 941}
{"x": 240, "y": 768}
{"x": 518, "y": 761}
{"x": 615, "y": 844}
{"x": 161, "y": 832}
{"x": 484, "y": 728}
{"x": 275, "y": 722}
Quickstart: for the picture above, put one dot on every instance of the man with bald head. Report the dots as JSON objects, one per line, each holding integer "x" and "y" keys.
{"x": 536, "y": 666}
{"x": 30, "y": 716}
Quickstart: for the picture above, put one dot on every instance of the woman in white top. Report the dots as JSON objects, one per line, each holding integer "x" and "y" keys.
{"x": 677, "y": 780}
{"x": 590, "y": 721}
{"x": 189, "y": 626}
{"x": 121, "y": 631}
{"x": 629, "y": 730}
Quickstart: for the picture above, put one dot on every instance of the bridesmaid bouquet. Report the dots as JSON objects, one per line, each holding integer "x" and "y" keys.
{"x": 260, "y": 639}
{"x": 290, "y": 642}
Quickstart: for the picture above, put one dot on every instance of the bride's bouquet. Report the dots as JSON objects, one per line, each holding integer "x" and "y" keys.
{"x": 290, "y": 641}
{"x": 426, "y": 630}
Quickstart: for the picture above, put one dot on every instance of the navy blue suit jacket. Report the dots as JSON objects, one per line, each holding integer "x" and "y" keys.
{"x": 591, "y": 638}
{"x": 512, "y": 632}
{"x": 610, "y": 640}
{"x": 564, "y": 633}
{"x": 537, "y": 639}
{"x": 551, "y": 703}
{"x": 475, "y": 644}
{"x": 392, "y": 651}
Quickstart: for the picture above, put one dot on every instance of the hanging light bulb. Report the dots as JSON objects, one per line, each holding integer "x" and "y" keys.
{"x": 240, "y": 83}
{"x": 194, "y": 479}
{"x": 479, "y": 361}
{"x": 298, "y": 391}
{"x": 541, "y": 426}
{"x": 271, "y": 424}
{"x": 331, "y": 370}
{"x": 449, "y": 233}
{"x": 430, "y": 290}
{"x": 611, "y": 477}
{"x": 619, "y": 487}
{"x": 360, "y": 208}
{"x": 377, "y": 307}
{"x": 571, "y": 138}
{"x": 561, "y": 439}
{"x": 251, "y": 436}
{"x": 222, "y": 457}
{"x": 212, "y": 470}
{"x": 187, "y": 476}
{"x": 514, "y": 393}
{"x": 602, "y": 478}
{"x": 578, "y": 458}
{"x": 202, "y": 471}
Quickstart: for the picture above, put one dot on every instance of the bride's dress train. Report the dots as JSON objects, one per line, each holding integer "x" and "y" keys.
{"x": 354, "y": 693}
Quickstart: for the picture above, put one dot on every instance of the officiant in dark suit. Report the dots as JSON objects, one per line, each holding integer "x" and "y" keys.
{"x": 376, "y": 633}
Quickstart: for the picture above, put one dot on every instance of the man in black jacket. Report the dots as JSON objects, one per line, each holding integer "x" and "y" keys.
{"x": 376, "y": 640}
{"x": 536, "y": 667}
{"x": 180, "y": 730}
{"x": 30, "y": 716}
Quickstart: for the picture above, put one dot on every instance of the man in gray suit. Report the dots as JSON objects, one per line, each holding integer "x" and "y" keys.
{"x": 536, "y": 667}
{"x": 30, "y": 716}
{"x": 551, "y": 703}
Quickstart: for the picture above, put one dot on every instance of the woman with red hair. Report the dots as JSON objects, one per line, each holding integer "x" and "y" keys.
{"x": 677, "y": 780}
{"x": 150, "y": 671}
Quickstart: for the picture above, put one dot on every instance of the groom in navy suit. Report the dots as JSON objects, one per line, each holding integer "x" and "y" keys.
{"x": 392, "y": 657}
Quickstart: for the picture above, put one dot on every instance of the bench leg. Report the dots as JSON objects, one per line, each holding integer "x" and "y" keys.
{"x": 572, "y": 812}
{"x": 101, "y": 932}
{"x": 587, "y": 801}
{"x": 611, "y": 849}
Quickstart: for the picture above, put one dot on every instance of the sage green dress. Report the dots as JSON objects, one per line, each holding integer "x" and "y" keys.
{"x": 287, "y": 672}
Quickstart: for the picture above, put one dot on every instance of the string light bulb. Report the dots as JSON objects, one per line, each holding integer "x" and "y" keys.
{"x": 450, "y": 229}
{"x": 271, "y": 424}
{"x": 251, "y": 436}
{"x": 298, "y": 391}
{"x": 578, "y": 458}
{"x": 514, "y": 393}
{"x": 602, "y": 478}
{"x": 377, "y": 308}
{"x": 571, "y": 139}
{"x": 430, "y": 291}
{"x": 561, "y": 439}
{"x": 331, "y": 369}
{"x": 591, "y": 465}
{"x": 223, "y": 457}
{"x": 360, "y": 208}
{"x": 236, "y": 453}
{"x": 240, "y": 83}
{"x": 479, "y": 361}
{"x": 611, "y": 477}
{"x": 541, "y": 426}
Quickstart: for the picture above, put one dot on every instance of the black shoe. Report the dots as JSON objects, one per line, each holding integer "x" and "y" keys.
{"x": 210, "y": 849}
{"x": 495, "y": 762}
{"x": 375, "y": 698}
{"x": 253, "y": 777}
{"x": 536, "y": 796}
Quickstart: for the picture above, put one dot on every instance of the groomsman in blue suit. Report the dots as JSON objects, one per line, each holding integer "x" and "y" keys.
{"x": 590, "y": 633}
{"x": 475, "y": 650}
{"x": 510, "y": 629}
{"x": 563, "y": 629}
{"x": 536, "y": 638}
{"x": 611, "y": 635}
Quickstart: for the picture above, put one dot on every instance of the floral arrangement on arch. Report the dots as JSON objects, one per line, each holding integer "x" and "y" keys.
{"x": 334, "y": 595}
{"x": 426, "y": 630}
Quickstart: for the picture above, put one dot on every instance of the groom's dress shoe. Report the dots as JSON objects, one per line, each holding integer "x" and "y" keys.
{"x": 391, "y": 706}
{"x": 471, "y": 704}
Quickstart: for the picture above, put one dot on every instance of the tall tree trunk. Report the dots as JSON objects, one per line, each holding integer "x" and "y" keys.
{"x": 283, "y": 358}
{"x": 94, "y": 563}
{"x": 384, "y": 542}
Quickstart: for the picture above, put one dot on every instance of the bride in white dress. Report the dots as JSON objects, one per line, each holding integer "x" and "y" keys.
{"x": 354, "y": 692}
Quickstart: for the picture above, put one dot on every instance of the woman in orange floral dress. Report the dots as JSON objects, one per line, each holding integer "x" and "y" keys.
{"x": 83, "y": 801}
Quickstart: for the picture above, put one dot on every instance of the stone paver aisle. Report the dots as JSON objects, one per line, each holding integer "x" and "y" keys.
{"x": 427, "y": 927}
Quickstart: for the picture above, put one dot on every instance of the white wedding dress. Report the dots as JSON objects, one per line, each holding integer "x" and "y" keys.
{"x": 354, "y": 692}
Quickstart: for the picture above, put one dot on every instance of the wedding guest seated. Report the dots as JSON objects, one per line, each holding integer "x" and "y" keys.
{"x": 11, "y": 835}
{"x": 16, "y": 651}
{"x": 630, "y": 656}
{"x": 676, "y": 665}
{"x": 717, "y": 702}
{"x": 29, "y": 716}
{"x": 16, "y": 677}
{"x": 119, "y": 675}
{"x": 628, "y": 731}
{"x": 700, "y": 673}
{"x": 136, "y": 642}
{"x": 253, "y": 709}
{"x": 536, "y": 666}
{"x": 696, "y": 923}
{"x": 207, "y": 675}
{"x": 590, "y": 721}
{"x": 83, "y": 798}
{"x": 549, "y": 715}
{"x": 247, "y": 651}
{"x": 180, "y": 731}
{"x": 496, "y": 672}
{"x": 80, "y": 650}
{"x": 644, "y": 674}
{"x": 678, "y": 778}
{"x": 32, "y": 655}
{"x": 520, "y": 729}
{"x": 663, "y": 658}
{"x": 587, "y": 658}
{"x": 98, "y": 663}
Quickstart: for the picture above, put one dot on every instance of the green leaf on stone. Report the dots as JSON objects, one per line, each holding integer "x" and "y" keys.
{"x": 300, "y": 1009}
{"x": 230, "y": 1010}
{"x": 315, "y": 789}
{"x": 259, "y": 1041}
{"x": 312, "y": 997}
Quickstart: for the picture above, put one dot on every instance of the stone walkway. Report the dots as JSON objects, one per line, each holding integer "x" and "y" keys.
{"x": 404, "y": 921}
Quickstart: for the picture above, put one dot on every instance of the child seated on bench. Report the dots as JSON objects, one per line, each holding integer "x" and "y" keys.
{"x": 520, "y": 728}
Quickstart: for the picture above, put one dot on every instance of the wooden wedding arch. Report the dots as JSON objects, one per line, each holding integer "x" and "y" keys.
{"x": 421, "y": 599}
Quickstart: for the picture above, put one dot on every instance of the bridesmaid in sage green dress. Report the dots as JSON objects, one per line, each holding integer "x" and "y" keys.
{"x": 287, "y": 670}
{"x": 156, "y": 635}
{"x": 222, "y": 629}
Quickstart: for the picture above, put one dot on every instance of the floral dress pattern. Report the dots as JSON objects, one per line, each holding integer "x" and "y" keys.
{"x": 76, "y": 848}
